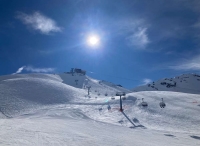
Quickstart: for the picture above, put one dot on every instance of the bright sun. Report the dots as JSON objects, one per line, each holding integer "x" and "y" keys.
{"x": 93, "y": 40}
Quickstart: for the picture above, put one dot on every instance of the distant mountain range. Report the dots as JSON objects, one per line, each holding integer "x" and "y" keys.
{"x": 187, "y": 83}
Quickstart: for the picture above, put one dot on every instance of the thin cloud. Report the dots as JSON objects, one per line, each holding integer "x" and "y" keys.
{"x": 193, "y": 64}
{"x": 146, "y": 81}
{"x": 39, "y": 22}
{"x": 33, "y": 69}
{"x": 128, "y": 26}
{"x": 39, "y": 70}
{"x": 135, "y": 31}
{"x": 139, "y": 38}
{"x": 19, "y": 70}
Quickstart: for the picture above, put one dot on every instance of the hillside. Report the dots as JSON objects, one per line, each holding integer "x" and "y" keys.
{"x": 187, "y": 83}
{"x": 28, "y": 91}
{"x": 41, "y": 109}
{"x": 82, "y": 81}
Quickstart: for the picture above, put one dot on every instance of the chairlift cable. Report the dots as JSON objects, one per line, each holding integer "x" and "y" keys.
{"x": 118, "y": 77}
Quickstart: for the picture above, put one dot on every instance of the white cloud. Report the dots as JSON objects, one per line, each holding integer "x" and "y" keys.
{"x": 146, "y": 81}
{"x": 139, "y": 38}
{"x": 192, "y": 64}
{"x": 33, "y": 69}
{"x": 134, "y": 30}
{"x": 19, "y": 70}
{"x": 38, "y": 70}
{"x": 39, "y": 22}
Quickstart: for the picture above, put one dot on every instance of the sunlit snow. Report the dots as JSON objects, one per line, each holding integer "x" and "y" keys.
{"x": 55, "y": 109}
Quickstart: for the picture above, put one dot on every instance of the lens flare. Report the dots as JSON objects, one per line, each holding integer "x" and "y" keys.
{"x": 93, "y": 40}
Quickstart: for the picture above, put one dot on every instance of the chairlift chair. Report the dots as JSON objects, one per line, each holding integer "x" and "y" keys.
{"x": 162, "y": 104}
{"x": 144, "y": 104}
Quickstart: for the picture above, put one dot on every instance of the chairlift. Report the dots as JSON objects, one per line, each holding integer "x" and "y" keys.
{"x": 162, "y": 104}
{"x": 120, "y": 94}
{"x": 113, "y": 98}
{"x": 144, "y": 104}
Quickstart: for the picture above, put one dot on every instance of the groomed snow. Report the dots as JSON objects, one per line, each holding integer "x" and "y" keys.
{"x": 40, "y": 109}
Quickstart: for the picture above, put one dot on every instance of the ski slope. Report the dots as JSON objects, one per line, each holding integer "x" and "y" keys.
{"x": 181, "y": 113}
{"x": 74, "y": 129}
{"x": 103, "y": 87}
{"x": 42, "y": 109}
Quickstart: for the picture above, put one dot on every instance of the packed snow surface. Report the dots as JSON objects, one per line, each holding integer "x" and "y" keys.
{"x": 54, "y": 109}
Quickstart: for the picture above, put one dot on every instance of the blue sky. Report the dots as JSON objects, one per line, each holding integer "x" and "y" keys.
{"x": 140, "y": 40}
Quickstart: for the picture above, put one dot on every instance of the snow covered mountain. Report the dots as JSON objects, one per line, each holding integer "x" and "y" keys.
{"x": 55, "y": 109}
{"x": 81, "y": 81}
{"x": 187, "y": 83}
{"x": 22, "y": 91}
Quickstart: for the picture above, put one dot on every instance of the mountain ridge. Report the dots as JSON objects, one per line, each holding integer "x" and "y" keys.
{"x": 186, "y": 83}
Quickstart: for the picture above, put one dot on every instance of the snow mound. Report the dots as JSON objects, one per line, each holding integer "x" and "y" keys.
{"x": 20, "y": 92}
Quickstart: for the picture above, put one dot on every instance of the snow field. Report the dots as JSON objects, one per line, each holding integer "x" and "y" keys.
{"x": 40, "y": 109}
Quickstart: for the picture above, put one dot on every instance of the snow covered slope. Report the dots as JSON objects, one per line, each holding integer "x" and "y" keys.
{"x": 76, "y": 80}
{"x": 97, "y": 86}
{"x": 187, "y": 83}
{"x": 181, "y": 113}
{"x": 105, "y": 88}
{"x": 41, "y": 109}
{"x": 28, "y": 91}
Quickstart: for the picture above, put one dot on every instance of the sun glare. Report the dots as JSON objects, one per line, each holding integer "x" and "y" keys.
{"x": 93, "y": 40}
